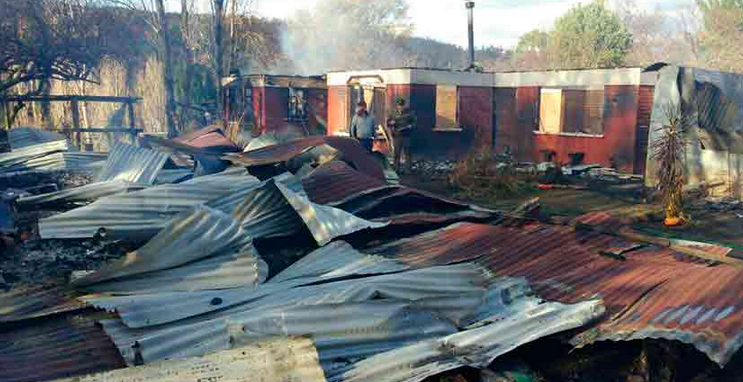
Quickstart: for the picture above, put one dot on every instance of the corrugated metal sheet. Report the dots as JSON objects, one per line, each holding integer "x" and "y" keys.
{"x": 132, "y": 164}
{"x": 22, "y": 137}
{"x": 211, "y": 138}
{"x": 82, "y": 194}
{"x": 29, "y": 302}
{"x": 279, "y": 360}
{"x": 348, "y": 331}
{"x": 140, "y": 215}
{"x": 351, "y": 150}
{"x": 10, "y": 161}
{"x": 338, "y": 259}
{"x": 274, "y": 209}
{"x": 56, "y": 347}
{"x": 60, "y": 161}
{"x": 334, "y": 261}
{"x": 476, "y": 347}
{"x": 335, "y": 181}
{"x": 201, "y": 249}
{"x": 434, "y": 283}
{"x": 566, "y": 266}
{"x": 173, "y": 176}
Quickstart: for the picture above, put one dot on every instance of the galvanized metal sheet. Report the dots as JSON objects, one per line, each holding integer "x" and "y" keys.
{"x": 60, "y": 161}
{"x": 276, "y": 360}
{"x": 338, "y": 259}
{"x": 475, "y": 347}
{"x": 132, "y": 164}
{"x": 82, "y": 194}
{"x": 22, "y": 137}
{"x": 347, "y": 331}
{"x": 168, "y": 340}
{"x": 18, "y": 157}
{"x": 199, "y": 249}
{"x": 173, "y": 176}
{"x": 141, "y": 215}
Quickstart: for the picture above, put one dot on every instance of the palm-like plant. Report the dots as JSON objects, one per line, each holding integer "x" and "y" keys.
{"x": 668, "y": 151}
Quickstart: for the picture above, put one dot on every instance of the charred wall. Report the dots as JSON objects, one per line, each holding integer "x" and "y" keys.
{"x": 517, "y": 116}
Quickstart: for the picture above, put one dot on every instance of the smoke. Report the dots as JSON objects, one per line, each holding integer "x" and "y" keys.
{"x": 346, "y": 35}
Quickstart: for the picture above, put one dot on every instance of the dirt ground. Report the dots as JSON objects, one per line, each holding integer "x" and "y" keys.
{"x": 705, "y": 224}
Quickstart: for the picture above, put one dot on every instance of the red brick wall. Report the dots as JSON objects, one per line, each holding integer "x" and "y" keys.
{"x": 275, "y": 106}
{"x": 515, "y": 129}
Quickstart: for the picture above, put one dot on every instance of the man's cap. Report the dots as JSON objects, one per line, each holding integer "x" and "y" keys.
{"x": 400, "y": 101}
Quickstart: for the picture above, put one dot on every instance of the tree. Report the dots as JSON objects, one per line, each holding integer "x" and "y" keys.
{"x": 722, "y": 32}
{"x": 591, "y": 36}
{"x": 45, "y": 40}
{"x": 534, "y": 41}
{"x": 161, "y": 39}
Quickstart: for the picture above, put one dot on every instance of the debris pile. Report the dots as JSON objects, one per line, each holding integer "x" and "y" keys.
{"x": 300, "y": 261}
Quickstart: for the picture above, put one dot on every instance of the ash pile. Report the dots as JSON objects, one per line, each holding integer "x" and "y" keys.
{"x": 190, "y": 260}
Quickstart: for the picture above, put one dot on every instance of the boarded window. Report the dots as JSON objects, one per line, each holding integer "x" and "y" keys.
{"x": 573, "y": 111}
{"x": 550, "y": 111}
{"x": 446, "y": 107}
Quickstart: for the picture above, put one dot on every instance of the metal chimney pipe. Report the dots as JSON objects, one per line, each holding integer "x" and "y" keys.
{"x": 471, "y": 32}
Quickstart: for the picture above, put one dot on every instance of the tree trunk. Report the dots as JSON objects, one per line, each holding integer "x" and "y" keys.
{"x": 219, "y": 52}
{"x": 186, "y": 34}
{"x": 168, "y": 72}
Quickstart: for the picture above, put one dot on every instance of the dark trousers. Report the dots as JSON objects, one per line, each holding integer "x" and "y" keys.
{"x": 402, "y": 143}
{"x": 367, "y": 143}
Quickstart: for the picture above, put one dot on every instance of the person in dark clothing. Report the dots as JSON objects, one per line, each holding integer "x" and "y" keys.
{"x": 402, "y": 123}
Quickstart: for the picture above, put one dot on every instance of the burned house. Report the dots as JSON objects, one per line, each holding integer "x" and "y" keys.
{"x": 712, "y": 104}
{"x": 588, "y": 116}
{"x": 268, "y": 103}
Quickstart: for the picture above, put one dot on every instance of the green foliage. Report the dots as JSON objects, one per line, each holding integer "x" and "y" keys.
{"x": 591, "y": 36}
{"x": 534, "y": 41}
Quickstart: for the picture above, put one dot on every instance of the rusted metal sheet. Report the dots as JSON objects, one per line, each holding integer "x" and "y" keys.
{"x": 55, "y": 347}
{"x": 37, "y": 301}
{"x": 351, "y": 150}
{"x": 336, "y": 181}
{"x": 567, "y": 266}
{"x": 211, "y": 138}
{"x": 276, "y": 360}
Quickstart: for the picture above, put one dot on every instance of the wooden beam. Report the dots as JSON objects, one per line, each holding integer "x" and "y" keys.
{"x": 7, "y": 106}
{"x": 76, "y": 123}
{"x": 133, "y": 135}
{"x": 70, "y": 98}
{"x": 105, "y": 130}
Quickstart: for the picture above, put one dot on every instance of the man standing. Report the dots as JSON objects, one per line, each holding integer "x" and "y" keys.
{"x": 362, "y": 127}
{"x": 402, "y": 123}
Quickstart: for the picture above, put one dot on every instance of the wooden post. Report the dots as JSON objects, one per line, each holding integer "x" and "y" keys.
{"x": 7, "y": 106}
{"x": 76, "y": 123}
{"x": 130, "y": 108}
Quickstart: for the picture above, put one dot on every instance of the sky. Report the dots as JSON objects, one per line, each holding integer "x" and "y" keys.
{"x": 497, "y": 22}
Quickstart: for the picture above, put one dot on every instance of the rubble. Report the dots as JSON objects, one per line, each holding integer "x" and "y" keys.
{"x": 302, "y": 260}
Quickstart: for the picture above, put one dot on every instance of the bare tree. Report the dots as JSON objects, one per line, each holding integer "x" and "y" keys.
{"x": 45, "y": 40}
{"x": 156, "y": 17}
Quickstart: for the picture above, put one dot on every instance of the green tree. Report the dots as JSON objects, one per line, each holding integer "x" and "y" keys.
{"x": 591, "y": 36}
{"x": 534, "y": 41}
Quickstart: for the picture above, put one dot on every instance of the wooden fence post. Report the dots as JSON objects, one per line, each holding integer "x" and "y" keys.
{"x": 76, "y": 124}
{"x": 133, "y": 134}
{"x": 7, "y": 107}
